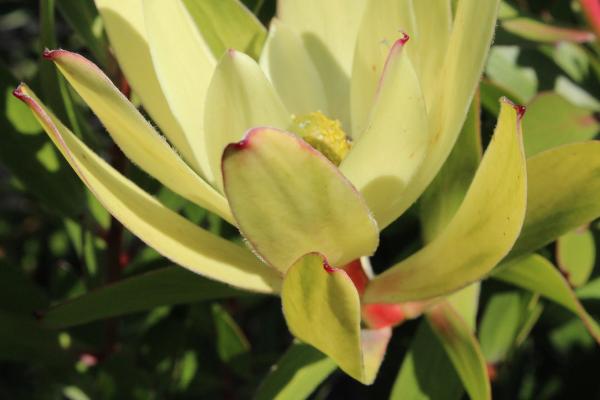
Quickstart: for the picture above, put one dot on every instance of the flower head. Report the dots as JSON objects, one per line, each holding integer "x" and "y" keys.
{"x": 311, "y": 152}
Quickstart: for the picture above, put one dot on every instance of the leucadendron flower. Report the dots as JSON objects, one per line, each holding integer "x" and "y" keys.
{"x": 351, "y": 111}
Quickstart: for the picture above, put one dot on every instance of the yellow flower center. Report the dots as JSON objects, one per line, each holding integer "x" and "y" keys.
{"x": 324, "y": 134}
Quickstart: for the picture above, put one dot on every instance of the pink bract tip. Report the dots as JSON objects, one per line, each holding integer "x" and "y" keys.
{"x": 520, "y": 111}
{"x": 328, "y": 267}
{"x": 405, "y": 38}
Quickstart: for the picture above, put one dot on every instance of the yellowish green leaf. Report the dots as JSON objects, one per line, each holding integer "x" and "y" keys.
{"x": 467, "y": 49}
{"x": 183, "y": 64}
{"x": 134, "y": 135}
{"x": 126, "y": 29}
{"x": 165, "y": 231}
{"x": 479, "y": 235}
{"x": 382, "y": 25}
{"x": 289, "y": 67}
{"x": 387, "y": 156}
{"x": 447, "y": 191}
{"x": 227, "y": 24}
{"x": 433, "y": 20}
{"x": 289, "y": 200}
{"x": 322, "y": 308}
{"x": 239, "y": 98}
{"x": 329, "y": 34}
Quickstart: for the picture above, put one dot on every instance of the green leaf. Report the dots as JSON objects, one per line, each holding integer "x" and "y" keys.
{"x": 30, "y": 158}
{"x": 538, "y": 275}
{"x": 504, "y": 69}
{"x": 23, "y": 339}
{"x": 167, "y": 232}
{"x": 576, "y": 255}
{"x": 167, "y": 286}
{"x": 553, "y": 121}
{"x": 53, "y": 87}
{"x": 289, "y": 200}
{"x": 426, "y": 372}
{"x": 563, "y": 193}
{"x": 231, "y": 341}
{"x": 503, "y": 320}
{"x": 322, "y": 308}
{"x": 296, "y": 375}
{"x": 462, "y": 349}
{"x": 17, "y": 293}
{"x": 82, "y": 16}
{"x": 481, "y": 232}
{"x": 227, "y": 24}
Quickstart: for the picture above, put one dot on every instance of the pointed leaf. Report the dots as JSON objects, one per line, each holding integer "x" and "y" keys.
{"x": 382, "y": 25}
{"x": 238, "y": 84}
{"x": 134, "y": 135}
{"x": 447, "y": 191}
{"x": 386, "y": 157}
{"x": 125, "y": 26}
{"x": 322, "y": 308}
{"x": 227, "y": 24}
{"x": 563, "y": 194}
{"x": 296, "y": 375}
{"x": 481, "y": 233}
{"x": 165, "y": 231}
{"x": 169, "y": 286}
{"x": 538, "y": 275}
{"x": 433, "y": 20}
{"x": 467, "y": 49}
{"x": 183, "y": 64}
{"x": 289, "y": 67}
{"x": 289, "y": 200}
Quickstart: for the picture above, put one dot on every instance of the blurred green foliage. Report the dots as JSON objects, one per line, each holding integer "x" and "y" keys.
{"x": 172, "y": 334}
